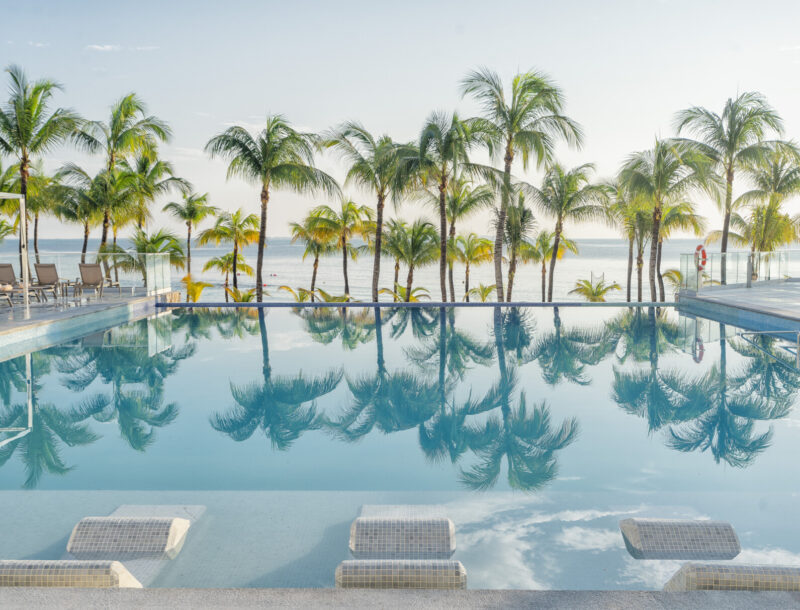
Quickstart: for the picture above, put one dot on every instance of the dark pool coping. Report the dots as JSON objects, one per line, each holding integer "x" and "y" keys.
{"x": 337, "y": 598}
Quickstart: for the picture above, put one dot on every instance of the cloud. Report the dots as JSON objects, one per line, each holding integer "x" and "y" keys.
{"x": 588, "y": 539}
{"x": 103, "y": 48}
{"x": 38, "y": 45}
{"x": 146, "y": 48}
{"x": 201, "y": 113}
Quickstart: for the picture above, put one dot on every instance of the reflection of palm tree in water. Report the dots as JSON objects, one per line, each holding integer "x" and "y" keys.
{"x": 726, "y": 426}
{"x": 39, "y": 449}
{"x": 327, "y": 324}
{"x": 522, "y": 435}
{"x": 275, "y": 403}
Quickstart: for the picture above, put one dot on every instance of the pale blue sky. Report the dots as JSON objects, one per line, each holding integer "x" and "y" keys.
{"x": 625, "y": 67}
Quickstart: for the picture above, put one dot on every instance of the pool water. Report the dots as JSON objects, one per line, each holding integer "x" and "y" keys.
{"x": 538, "y": 430}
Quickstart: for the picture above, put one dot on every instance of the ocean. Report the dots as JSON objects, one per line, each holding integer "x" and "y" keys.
{"x": 284, "y": 265}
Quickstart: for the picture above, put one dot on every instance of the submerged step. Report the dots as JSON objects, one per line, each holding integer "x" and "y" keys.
{"x": 401, "y": 574}
{"x": 402, "y": 538}
{"x": 153, "y": 537}
{"x": 679, "y": 539}
{"x": 727, "y": 577}
{"x": 66, "y": 573}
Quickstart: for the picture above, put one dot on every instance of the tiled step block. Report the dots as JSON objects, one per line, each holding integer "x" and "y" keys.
{"x": 679, "y": 539}
{"x": 399, "y": 538}
{"x": 66, "y": 573}
{"x": 117, "y": 537}
{"x": 403, "y": 574}
{"x": 732, "y": 577}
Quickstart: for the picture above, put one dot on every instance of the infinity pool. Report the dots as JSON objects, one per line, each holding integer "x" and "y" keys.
{"x": 538, "y": 430}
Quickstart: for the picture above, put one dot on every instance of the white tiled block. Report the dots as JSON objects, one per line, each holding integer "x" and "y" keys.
{"x": 403, "y": 574}
{"x": 66, "y": 573}
{"x": 733, "y": 577}
{"x": 679, "y": 539}
{"x": 128, "y": 536}
{"x": 402, "y": 538}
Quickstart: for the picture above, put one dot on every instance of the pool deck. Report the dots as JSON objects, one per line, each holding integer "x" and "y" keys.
{"x": 767, "y": 306}
{"x": 338, "y": 598}
{"x": 62, "y": 320}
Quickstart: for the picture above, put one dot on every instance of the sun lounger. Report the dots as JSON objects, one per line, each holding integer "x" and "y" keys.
{"x": 8, "y": 279}
{"x": 47, "y": 276}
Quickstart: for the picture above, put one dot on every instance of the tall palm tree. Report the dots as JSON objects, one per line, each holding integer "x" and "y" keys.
{"x": 528, "y": 123}
{"x": 540, "y": 250}
{"x": 341, "y": 226}
{"x": 417, "y": 247}
{"x": 734, "y": 140}
{"x": 29, "y": 127}
{"x": 316, "y": 244}
{"x": 277, "y": 157}
{"x": 471, "y": 250}
{"x": 392, "y": 246}
{"x": 662, "y": 176}
{"x": 224, "y": 264}
{"x": 192, "y": 210}
{"x": 566, "y": 194}
{"x": 81, "y": 199}
{"x": 154, "y": 177}
{"x": 442, "y": 148}
{"x": 622, "y": 212}
{"x": 128, "y": 131}
{"x": 275, "y": 404}
{"x": 42, "y": 198}
{"x": 520, "y": 225}
{"x": 234, "y": 228}
{"x": 372, "y": 164}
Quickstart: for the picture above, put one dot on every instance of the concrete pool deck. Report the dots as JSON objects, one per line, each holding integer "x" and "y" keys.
{"x": 767, "y": 306}
{"x": 62, "y": 320}
{"x": 355, "y": 598}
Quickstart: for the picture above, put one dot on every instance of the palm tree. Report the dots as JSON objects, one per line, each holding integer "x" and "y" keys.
{"x": 372, "y": 164}
{"x": 733, "y": 140}
{"x": 224, "y": 264}
{"x": 663, "y": 176}
{"x": 42, "y": 198}
{"x": 678, "y": 217}
{"x": 143, "y": 243}
{"x": 417, "y": 247}
{"x": 393, "y": 239}
{"x": 568, "y": 195}
{"x": 340, "y": 227}
{"x": 28, "y": 126}
{"x": 481, "y": 293}
{"x": 520, "y": 225}
{"x": 154, "y": 177}
{"x": 277, "y": 157}
{"x": 192, "y": 211}
{"x": 541, "y": 251}
{"x": 594, "y": 292}
{"x": 316, "y": 244}
{"x": 81, "y": 200}
{"x": 275, "y": 404}
{"x": 527, "y": 124}
{"x": 623, "y": 211}
{"x": 234, "y": 228}
{"x": 129, "y": 131}
{"x": 471, "y": 250}
{"x": 443, "y": 145}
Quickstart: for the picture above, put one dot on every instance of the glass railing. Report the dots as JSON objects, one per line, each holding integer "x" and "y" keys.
{"x": 125, "y": 274}
{"x": 737, "y": 268}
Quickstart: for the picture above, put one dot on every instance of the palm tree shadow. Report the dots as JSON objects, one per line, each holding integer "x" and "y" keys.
{"x": 314, "y": 569}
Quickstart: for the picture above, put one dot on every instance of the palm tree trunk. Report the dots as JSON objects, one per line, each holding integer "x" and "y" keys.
{"x": 451, "y": 239}
{"x": 85, "y": 241}
{"x": 235, "y": 256}
{"x": 262, "y": 238}
{"x": 466, "y": 282}
{"x": 379, "y": 340}
{"x": 501, "y": 221}
{"x": 376, "y": 265}
{"x": 188, "y": 248}
{"x": 512, "y": 270}
{"x": 36, "y": 236}
{"x": 639, "y": 266}
{"x": 544, "y": 279}
{"x": 630, "y": 267}
{"x": 443, "y": 239}
{"x": 23, "y": 219}
{"x": 114, "y": 244}
{"x": 396, "y": 278}
{"x": 654, "y": 235}
{"x": 658, "y": 271}
{"x": 344, "y": 267}
{"x": 442, "y": 356}
{"x": 104, "y": 241}
{"x": 314, "y": 276}
{"x": 226, "y": 286}
{"x": 409, "y": 280}
{"x": 553, "y": 257}
{"x": 726, "y": 222}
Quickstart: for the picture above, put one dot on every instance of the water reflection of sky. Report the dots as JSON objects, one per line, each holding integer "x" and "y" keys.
{"x": 605, "y": 414}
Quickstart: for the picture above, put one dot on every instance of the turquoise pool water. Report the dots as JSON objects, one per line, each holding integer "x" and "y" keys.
{"x": 537, "y": 429}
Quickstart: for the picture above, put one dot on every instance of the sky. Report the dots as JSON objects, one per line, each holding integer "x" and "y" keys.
{"x": 625, "y": 68}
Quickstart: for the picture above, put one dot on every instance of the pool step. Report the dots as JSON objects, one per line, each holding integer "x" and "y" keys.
{"x": 128, "y": 537}
{"x": 66, "y": 573}
{"x": 402, "y": 532}
{"x": 400, "y": 574}
{"x": 733, "y": 577}
{"x": 679, "y": 539}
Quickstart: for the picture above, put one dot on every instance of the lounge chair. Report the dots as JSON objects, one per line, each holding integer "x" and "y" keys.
{"x": 91, "y": 277}
{"x": 48, "y": 278}
{"x": 11, "y": 287}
